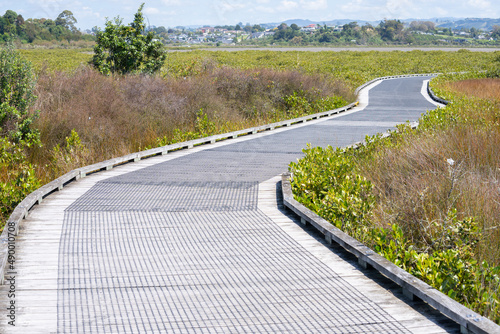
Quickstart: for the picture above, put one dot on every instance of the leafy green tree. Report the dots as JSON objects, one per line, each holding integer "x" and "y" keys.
{"x": 326, "y": 37}
{"x": 287, "y": 33}
{"x": 474, "y": 32}
{"x": 17, "y": 175}
{"x": 126, "y": 49}
{"x": 257, "y": 28}
{"x": 494, "y": 72}
{"x": 20, "y": 27}
{"x": 10, "y": 18}
{"x": 496, "y": 32}
{"x": 67, "y": 20}
{"x": 390, "y": 30}
{"x": 17, "y": 84}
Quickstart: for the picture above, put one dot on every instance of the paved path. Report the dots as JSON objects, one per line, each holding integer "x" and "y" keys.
{"x": 194, "y": 242}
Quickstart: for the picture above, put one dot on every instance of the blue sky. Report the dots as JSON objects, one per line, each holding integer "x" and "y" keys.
{"x": 170, "y": 13}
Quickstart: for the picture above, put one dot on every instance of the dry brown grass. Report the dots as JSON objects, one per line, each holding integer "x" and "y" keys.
{"x": 481, "y": 88}
{"x": 118, "y": 115}
{"x": 421, "y": 189}
{"x": 418, "y": 189}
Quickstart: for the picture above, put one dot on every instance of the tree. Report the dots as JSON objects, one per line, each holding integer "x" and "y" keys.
{"x": 125, "y": 49}
{"x": 390, "y": 30}
{"x": 10, "y": 18}
{"x": 496, "y": 32}
{"x": 257, "y": 28}
{"x": 17, "y": 85}
{"x": 67, "y": 20}
{"x": 350, "y": 31}
{"x": 494, "y": 72}
{"x": 424, "y": 26}
{"x": 296, "y": 40}
{"x": 326, "y": 37}
{"x": 474, "y": 32}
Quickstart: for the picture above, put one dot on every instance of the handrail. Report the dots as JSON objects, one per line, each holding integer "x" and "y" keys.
{"x": 469, "y": 320}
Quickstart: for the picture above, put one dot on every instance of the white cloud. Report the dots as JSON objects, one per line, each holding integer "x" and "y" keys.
{"x": 287, "y": 5}
{"x": 224, "y": 8}
{"x": 440, "y": 11}
{"x": 87, "y": 11}
{"x": 151, "y": 11}
{"x": 314, "y": 5}
{"x": 47, "y": 8}
{"x": 376, "y": 10}
{"x": 229, "y": 5}
{"x": 263, "y": 9}
{"x": 479, "y": 4}
{"x": 398, "y": 8}
{"x": 355, "y": 6}
{"x": 171, "y": 2}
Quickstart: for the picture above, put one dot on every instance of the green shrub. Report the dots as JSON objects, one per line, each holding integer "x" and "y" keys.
{"x": 326, "y": 181}
{"x": 17, "y": 84}
{"x": 124, "y": 49}
{"x": 17, "y": 175}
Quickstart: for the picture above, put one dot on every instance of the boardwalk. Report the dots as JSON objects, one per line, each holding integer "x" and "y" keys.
{"x": 195, "y": 242}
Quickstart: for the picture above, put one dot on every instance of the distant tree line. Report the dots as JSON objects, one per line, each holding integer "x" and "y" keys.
{"x": 388, "y": 31}
{"x": 240, "y": 27}
{"x": 14, "y": 27}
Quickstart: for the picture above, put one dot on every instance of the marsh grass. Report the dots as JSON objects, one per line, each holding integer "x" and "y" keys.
{"x": 451, "y": 163}
{"x": 432, "y": 196}
{"x": 116, "y": 115}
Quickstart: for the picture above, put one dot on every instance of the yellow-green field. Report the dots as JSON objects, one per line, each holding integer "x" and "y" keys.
{"x": 356, "y": 67}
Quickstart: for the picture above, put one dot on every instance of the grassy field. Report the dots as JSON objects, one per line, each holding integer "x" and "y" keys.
{"x": 356, "y": 67}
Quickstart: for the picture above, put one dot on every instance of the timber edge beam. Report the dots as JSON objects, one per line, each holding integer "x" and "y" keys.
{"x": 469, "y": 321}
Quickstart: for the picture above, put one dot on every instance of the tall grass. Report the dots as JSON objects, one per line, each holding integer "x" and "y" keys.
{"x": 113, "y": 116}
{"x": 429, "y": 199}
{"x": 451, "y": 163}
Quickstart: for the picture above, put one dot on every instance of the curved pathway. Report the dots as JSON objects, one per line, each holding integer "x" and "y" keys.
{"x": 194, "y": 242}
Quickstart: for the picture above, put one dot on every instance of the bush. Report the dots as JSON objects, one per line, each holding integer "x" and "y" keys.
{"x": 17, "y": 83}
{"x": 326, "y": 181}
{"x": 124, "y": 49}
{"x": 17, "y": 175}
